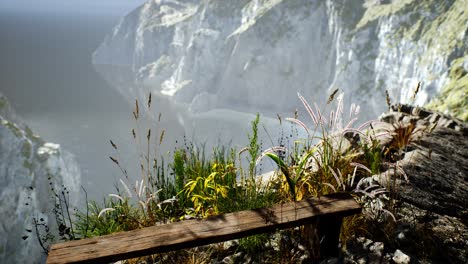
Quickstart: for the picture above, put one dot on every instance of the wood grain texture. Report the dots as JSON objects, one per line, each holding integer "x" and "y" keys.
{"x": 191, "y": 233}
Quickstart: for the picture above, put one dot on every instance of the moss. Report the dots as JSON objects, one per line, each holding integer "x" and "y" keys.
{"x": 34, "y": 138}
{"x": 376, "y": 12}
{"x": 447, "y": 29}
{"x": 452, "y": 98}
{"x": 26, "y": 152}
{"x": 436, "y": 30}
{"x": 437, "y": 25}
{"x": 350, "y": 12}
{"x": 28, "y": 165}
{"x": 26, "y": 149}
{"x": 13, "y": 127}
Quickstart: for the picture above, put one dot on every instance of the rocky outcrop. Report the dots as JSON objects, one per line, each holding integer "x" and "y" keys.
{"x": 29, "y": 168}
{"x": 432, "y": 206}
{"x": 436, "y": 159}
{"x": 254, "y": 55}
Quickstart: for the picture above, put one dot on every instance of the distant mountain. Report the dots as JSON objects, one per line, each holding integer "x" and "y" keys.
{"x": 254, "y": 55}
{"x": 206, "y": 57}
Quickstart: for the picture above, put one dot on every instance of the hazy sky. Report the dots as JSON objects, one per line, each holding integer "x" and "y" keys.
{"x": 114, "y": 7}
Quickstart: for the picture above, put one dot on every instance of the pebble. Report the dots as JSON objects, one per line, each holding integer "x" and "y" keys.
{"x": 400, "y": 258}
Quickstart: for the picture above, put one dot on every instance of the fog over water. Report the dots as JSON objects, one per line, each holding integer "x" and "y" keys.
{"x": 46, "y": 72}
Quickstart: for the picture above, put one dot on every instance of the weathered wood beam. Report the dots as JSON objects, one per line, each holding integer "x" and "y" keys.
{"x": 192, "y": 233}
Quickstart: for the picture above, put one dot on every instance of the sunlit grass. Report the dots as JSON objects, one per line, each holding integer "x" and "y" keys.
{"x": 190, "y": 182}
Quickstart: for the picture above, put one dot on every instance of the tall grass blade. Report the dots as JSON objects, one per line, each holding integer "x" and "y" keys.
{"x": 284, "y": 169}
{"x": 300, "y": 123}
{"x": 117, "y": 196}
{"x": 359, "y": 165}
{"x": 308, "y": 108}
{"x": 126, "y": 188}
{"x": 105, "y": 210}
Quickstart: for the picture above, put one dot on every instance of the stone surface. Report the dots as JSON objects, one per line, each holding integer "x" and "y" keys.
{"x": 255, "y": 55}
{"x": 432, "y": 206}
{"x": 400, "y": 257}
{"x": 29, "y": 167}
{"x": 436, "y": 162}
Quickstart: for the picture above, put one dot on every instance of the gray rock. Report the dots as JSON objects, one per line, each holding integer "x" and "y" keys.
{"x": 377, "y": 248}
{"x": 433, "y": 204}
{"x": 362, "y": 260}
{"x": 29, "y": 167}
{"x": 400, "y": 257}
{"x": 228, "y": 260}
{"x": 376, "y": 252}
{"x": 436, "y": 161}
{"x": 231, "y": 244}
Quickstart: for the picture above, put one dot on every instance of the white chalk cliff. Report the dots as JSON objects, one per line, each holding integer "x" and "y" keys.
{"x": 255, "y": 55}
{"x": 29, "y": 167}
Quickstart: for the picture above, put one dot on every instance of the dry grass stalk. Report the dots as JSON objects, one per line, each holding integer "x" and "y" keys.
{"x": 161, "y": 137}
{"x": 415, "y": 92}
{"x": 332, "y": 96}
{"x": 114, "y": 160}
{"x": 136, "y": 113}
{"x": 113, "y": 144}
{"x": 309, "y": 109}
{"x": 387, "y": 98}
{"x": 149, "y": 101}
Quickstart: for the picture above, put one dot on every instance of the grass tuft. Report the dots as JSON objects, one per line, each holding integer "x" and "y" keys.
{"x": 189, "y": 182}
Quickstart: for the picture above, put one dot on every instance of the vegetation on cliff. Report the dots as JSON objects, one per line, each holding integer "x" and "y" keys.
{"x": 335, "y": 156}
{"x": 453, "y": 98}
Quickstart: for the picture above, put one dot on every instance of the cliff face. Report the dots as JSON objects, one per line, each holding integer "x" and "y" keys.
{"x": 254, "y": 55}
{"x": 29, "y": 167}
{"x": 453, "y": 97}
{"x": 431, "y": 208}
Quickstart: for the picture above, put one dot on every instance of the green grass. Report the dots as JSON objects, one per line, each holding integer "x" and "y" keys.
{"x": 191, "y": 182}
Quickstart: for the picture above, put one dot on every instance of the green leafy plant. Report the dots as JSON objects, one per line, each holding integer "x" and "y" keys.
{"x": 333, "y": 157}
{"x": 206, "y": 193}
{"x": 254, "y": 147}
{"x": 309, "y": 170}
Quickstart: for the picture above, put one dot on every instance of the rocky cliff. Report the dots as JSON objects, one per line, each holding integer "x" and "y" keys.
{"x": 29, "y": 168}
{"x": 254, "y": 55}
{"x": 431, "y": 208}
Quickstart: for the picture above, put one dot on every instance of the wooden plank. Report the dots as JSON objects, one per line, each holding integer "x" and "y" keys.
{"x": 192, "y": 233}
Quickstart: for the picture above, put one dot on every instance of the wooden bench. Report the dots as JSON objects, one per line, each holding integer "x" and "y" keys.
{"x": 327, "y": 212}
